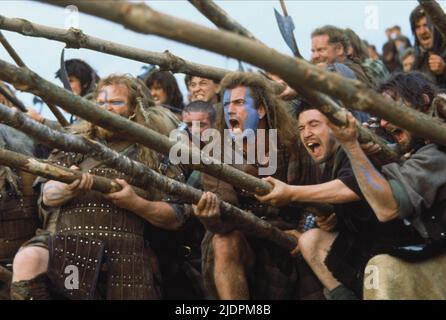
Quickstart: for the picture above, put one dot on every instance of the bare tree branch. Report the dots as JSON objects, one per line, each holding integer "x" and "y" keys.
{"x": 220, "y": 18}
{"x": 11, "y": 51}
{"x": 75, "y": 38}
{"x": 27, "y": 80}
{"x": 296, "y": 72}
{"x": 330, "y": 108}
{"x": 143, "y": 176}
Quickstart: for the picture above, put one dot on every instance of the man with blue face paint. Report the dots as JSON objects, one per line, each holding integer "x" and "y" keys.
{"x": 241, "y": 116}
{"x": 126, "y": 265}
{"x": 236, "y": 265}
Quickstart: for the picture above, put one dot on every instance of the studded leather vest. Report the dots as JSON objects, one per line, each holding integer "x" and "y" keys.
{"x": 126, "y": 260}
{"x": 18, "y": 212}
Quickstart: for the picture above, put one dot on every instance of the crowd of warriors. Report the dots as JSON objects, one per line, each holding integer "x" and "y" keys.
{"x": 145, "y": 244}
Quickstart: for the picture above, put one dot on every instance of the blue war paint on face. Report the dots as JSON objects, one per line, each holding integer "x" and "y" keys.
{"x": 117, "y": 103}
{"x": 252, "y": 118}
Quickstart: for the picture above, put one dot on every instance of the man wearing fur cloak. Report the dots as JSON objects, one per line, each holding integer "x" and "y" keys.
{"x": 101, "y": 238}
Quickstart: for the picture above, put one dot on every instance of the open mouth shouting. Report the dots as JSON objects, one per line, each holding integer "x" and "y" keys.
{"x": 235, "y": 126}
{"x": 314, "y": 148}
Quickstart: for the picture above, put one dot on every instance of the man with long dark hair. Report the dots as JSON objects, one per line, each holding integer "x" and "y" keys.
{"x": 412, "y": 191}
{"x": 430, "y": 48}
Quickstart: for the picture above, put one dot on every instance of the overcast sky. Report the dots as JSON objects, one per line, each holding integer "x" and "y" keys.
{"x": 368, "y": 18}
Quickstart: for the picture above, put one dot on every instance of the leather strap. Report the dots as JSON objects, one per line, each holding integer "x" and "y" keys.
{"x": 91, "y": 163}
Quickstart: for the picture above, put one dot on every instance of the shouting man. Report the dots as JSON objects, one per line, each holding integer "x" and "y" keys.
{"x": 236, "y": 265}
{"x": 107, "y": 231}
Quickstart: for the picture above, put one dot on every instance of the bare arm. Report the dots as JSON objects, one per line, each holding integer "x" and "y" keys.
{"x": 330, "y": 192}
{"x": 375, "y": 188}
{"x": 334, "y": 191}
{"x": 158, "y": 213}
{"x": 57, "y": 193}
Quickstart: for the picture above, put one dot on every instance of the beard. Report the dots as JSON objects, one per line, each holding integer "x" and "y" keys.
{"x": 107, "y": 135}
{"x": 104, "y": 134}
{"x": 414, "y": 143}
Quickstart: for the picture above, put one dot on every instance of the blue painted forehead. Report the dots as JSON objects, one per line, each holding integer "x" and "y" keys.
{"x": 228, "y": 93}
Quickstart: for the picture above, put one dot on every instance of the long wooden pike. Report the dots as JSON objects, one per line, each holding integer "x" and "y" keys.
{"x": 75, "y": 38}
{"x": 220, "y": 18}
{"x": 296, "y": 72}
{"x": 31, "y": 82}
{"x": 15, "y": 56}
{"x": 11, "y": 51}
{"x": 286, "y": 27}
{"x": 53, "y": 172}
{"x": 142, "y": 176}
{"x": 332, "y": 110}
{"x": 16, "y": 102}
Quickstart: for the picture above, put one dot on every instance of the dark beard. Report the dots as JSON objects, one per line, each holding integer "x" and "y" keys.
{"x": 414, "y": 144}
{"x": 105, "y": 134}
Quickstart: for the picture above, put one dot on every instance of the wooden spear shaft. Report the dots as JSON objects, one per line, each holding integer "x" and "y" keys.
{"x": 31, "y": 82}
{"x": 220, "y": 18}
{"x": 59, "y": 116}
{"x": 295, "y": 72}
{"x": 14, "y": 55}
{"x": 75, "y": 38}
{"x": 53, "y": 172}
{"x": 333, "y": 111}
{"x": 143, "y": 176}
{"x": 11, "y": 51}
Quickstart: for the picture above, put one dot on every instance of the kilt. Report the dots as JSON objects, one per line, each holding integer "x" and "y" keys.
{"x": 272, "y": 274}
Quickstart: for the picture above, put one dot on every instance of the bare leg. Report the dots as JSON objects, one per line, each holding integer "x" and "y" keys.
{"x": 314, "y": 246}
{"x": 232, "y": 253}
{"x": 29, "y": 280}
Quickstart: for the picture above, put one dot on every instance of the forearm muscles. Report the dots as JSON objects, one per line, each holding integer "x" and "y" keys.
{"x": 330, "y": 192}
{"x": 55, "y": 194}
{"x": 374, "y": 186}
{"x": 158, "y": 213}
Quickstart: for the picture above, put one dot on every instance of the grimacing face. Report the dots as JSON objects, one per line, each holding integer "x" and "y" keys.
{"x": 203, "y": 89}
{"x": 202, "y": 118}
{"x": 114, "y": 98}
{"x": 316, "y": 135}
{"x": 158, "y": 94}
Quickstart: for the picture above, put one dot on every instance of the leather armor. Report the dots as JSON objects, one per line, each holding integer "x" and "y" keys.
{"x": 126, "y": 265}
{"x": 18, "y": 215}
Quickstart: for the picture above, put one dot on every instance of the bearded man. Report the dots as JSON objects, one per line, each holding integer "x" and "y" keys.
{"x": 101, "y": 235}
{"x": 236, "y": 265}
{"x": 430, "y": 49}
{"x": 412, "y": 191}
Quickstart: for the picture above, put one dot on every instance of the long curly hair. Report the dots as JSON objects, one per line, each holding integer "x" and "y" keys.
{"x": 277, "y": 111}
{"x": 143, "y": 111}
